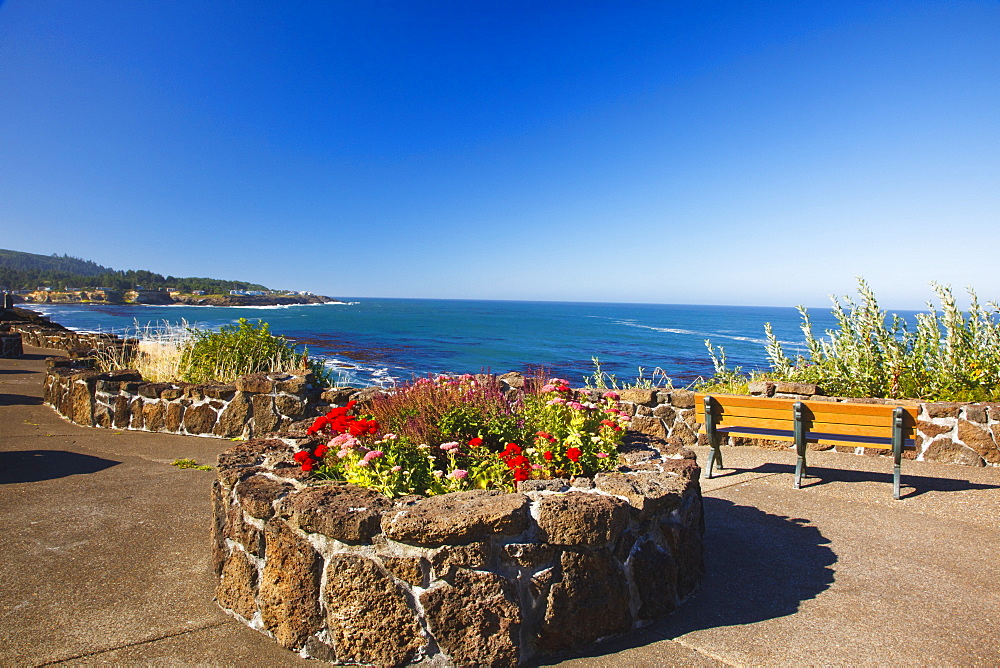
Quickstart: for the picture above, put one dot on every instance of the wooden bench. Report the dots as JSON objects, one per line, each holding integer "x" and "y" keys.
{"x": 887, "y": 427}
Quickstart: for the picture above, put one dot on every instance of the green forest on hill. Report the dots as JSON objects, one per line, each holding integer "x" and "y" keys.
{"x": 28, "y": 271}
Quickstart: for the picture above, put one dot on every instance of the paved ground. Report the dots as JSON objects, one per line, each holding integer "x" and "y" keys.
{"x": 104, "y": 557}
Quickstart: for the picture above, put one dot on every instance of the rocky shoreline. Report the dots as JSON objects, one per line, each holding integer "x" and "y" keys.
{"x": 163, "y": 298}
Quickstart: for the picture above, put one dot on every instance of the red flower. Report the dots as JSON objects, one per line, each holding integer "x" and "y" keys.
{"x": 573, "y": 454}
{"x": 548, "y": 455}
{"x": 511, "y": 450}
{"x": 320, "y": 450}
{"x": 521, "y": 474}
{"x": 307, "y": 466}
{"x": 302, "y": 456}
{"x": 475, "y": 442}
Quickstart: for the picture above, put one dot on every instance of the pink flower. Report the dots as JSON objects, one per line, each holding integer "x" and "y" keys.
{"x": 363, "y": 463}
{"x": 373, "y": 454}
{"x": 397, "y": 469}
{"x": 575, "y": 405}
{"x": 611, "y": 395}
{"x": 390, "y": 437}
{"x": 555, "y": 402}
{"x": 448, "y": 447}
{"x": 458, "y": 474}
{"x": 602, "y": 455}
{"x": 548, "y": 388}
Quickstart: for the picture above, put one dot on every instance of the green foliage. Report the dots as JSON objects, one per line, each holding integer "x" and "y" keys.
{"x": 27, "y": 271}
{"x": 190, "y": 464}
{"x": 601, "y": 380}
{"x": 950, "y": 356}
{"x": 236, "y": 350}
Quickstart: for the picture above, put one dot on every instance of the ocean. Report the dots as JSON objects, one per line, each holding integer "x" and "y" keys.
{"x": 382, "y": 341}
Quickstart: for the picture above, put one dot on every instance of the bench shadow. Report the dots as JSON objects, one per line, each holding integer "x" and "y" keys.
{"x": 37, "y": 465}
{"x": 911, "y": 485}
{"x": 759, "y": 566}
{"x": 19, "y": 400}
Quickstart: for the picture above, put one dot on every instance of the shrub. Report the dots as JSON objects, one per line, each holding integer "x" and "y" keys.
{"x": 951, "y": 356}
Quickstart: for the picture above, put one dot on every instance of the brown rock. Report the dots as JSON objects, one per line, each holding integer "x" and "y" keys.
{"x": 289, "y": 586}
{"x": 257, "y": 383}
{"x": 83, "y": 403}
{"x": 582, "y": 519}
{"x": 683, "y": 433}
{"x": 225, "y": 392}
{"x": 484, "y": 634}
{"x": 234, "y": 418}
{"x": 367, "y": 613}
{"x": 650, "y": 426}
{"x": 589, "y": 602}
{"x": 446, "y": 559}
{"x": 244, "y": 533}
{"x": 265, "y": 419}
{"x": 942, "y": 409}
{"x": 646, "y": 492}
{"x": 931, "y": 429}
{"x": 528, "y": 555}
{"x": 152, "y": 416}
{"x": 237, "y": 585}
{"x": 686, "y": 469}
{"x": 980, "y": 440}
{"x": 122, "y": 414}
{"x": 458, "y": 518}
{"x": 290, "y": 406}
{"x": 762, "y": 388}
{"x": 665, "y": 413}
{"x": 171, "y": 394}
{"x": 258, "y": 493}
{"x": 976, "y": 413}
{"x": 682, "y": 398}
{"x": 199, "y": 419}
{"x": 219, "y": 513}
{"x": 292, "y": 385}
{"x": 346, "y": 513}
{"x": 153, "y": 390}
{"x": 785, "y": 387}
{"x": 135, "y": 410}
{"x": 407, "y": 569}
{"x": 175, "y": 413}
{"x": 946, "y": 451}
{"x": 654, "y": 572}
{"x": 644, "y": 397}
{"x": 513, "y": 380}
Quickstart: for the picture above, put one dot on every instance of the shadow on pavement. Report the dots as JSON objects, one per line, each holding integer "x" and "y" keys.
{"x": 758, "y": 566}
{"x": 36, "y": 465}
{"x": 19, "y": 400}
{"x": 911, "y": 485}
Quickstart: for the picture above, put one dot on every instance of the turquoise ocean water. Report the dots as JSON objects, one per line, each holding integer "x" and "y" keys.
{"x": 371, "y": 341}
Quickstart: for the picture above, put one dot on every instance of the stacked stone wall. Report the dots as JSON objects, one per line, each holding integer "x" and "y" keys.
{"x": 344, "y": 574}
{"x": 254, "y": 404}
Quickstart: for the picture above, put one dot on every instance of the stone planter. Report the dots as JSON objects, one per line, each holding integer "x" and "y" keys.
{"x": 341, "y": 573}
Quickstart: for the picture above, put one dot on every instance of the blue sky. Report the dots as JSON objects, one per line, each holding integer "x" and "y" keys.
{"x": 674, "y": 152}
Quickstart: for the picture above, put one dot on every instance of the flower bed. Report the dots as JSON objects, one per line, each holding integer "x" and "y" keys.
{"x": 483, "y": 577}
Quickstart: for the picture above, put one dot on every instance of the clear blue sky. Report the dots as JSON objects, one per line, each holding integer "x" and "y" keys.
{"x": 675, "y": 152}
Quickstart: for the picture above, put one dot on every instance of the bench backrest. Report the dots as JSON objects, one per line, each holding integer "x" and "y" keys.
{"x": 827, "y": 422}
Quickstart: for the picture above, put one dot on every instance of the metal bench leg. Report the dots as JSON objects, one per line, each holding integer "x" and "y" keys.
{"x": 897, "y": 449}
{"x": 715, "y": 455}
{"x": 800, "y": 445}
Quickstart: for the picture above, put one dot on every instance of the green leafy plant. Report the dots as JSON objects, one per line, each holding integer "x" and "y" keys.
{"x": 190, "y": 464}
{"x": 601, "y": 380}
{"x": 948, "y": 356}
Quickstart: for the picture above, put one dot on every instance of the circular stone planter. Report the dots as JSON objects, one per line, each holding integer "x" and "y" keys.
{"x": 344, "y": 574}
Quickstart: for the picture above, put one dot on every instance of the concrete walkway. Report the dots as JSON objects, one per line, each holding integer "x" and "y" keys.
{"x": 104, "y": 557}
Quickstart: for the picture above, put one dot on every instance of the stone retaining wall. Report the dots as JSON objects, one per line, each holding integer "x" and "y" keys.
{"x": 481, "y": 578}
{"x": 254, "y": 404}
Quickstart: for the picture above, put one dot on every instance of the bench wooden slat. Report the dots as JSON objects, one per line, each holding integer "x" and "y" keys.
{"x": 844, "y": 407}
{"x": 727, "y": 411}
{"x": 876, "y": 431}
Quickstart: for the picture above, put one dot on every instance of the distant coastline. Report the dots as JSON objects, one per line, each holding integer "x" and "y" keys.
{"x": 161, "y": 298}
